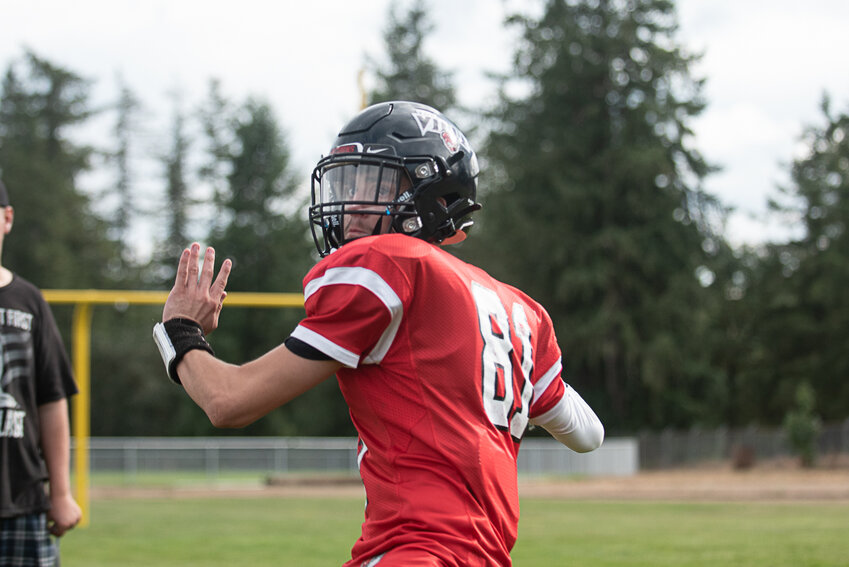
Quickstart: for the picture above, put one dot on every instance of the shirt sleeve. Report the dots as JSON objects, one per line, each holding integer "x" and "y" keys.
{"x": 53, "y": 372}
{"x": 548, "y": 367}
{"x": 572, "y": 422}
{"x": 353, "y": 313}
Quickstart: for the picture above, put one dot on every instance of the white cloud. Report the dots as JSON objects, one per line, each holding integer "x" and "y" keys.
{"x": 767, "y": 66}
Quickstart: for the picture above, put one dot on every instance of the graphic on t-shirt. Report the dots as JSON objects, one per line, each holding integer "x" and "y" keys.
{"x": 15, "y": 356}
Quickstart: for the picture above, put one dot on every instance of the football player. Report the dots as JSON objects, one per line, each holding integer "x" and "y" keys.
{"x": 442, "y": 366}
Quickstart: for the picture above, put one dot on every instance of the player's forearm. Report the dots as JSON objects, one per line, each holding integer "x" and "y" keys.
{"x": 223, "y": 391}
{"x": 236, "y": 396}
{"x": 572, "y": 422}
{"x": 56, "y": 446}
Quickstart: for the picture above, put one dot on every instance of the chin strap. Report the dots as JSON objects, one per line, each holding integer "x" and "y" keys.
{"x": 456, "y": 238}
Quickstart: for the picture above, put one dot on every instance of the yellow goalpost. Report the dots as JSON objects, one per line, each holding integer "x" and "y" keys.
{"x": 83, "y": 301}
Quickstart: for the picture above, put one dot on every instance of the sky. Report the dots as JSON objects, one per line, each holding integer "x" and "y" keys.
{"x": 767, "y": 66}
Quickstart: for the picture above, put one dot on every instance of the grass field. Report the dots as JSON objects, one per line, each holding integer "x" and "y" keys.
{"x": 307, "y": 532}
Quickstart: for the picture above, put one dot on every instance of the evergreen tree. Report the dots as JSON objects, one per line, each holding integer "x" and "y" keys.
{"x": 411, "y": 75}
{"x": 58, "y": 241}
{"x": 176, "y": 189}
{"x": 177, "y": 206}
{"x": 124, "y": 130}
{"x": 802, "y": 425}
{"x": 264, "y": 232}
{"x": 593, "y": 200}
{"x": 732, "y": 304}
{"x": 215, "y": 116}
{"x": 803, "y": 310}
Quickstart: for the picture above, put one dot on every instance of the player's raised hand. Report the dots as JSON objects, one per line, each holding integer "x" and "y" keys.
{"x": 195, "y": 295}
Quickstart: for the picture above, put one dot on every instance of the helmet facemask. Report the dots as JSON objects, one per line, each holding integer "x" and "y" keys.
{"x": 357, "y": 195}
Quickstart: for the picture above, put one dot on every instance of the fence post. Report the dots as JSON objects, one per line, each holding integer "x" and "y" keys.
{"x": 131, "y": 461}
{"x": 844, "y": 436}
{"x": 281, "y": 459}
{"x": 211, "y": 458}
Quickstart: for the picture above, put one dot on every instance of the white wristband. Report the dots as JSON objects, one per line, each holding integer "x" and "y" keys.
{"x": 165, "y": 346}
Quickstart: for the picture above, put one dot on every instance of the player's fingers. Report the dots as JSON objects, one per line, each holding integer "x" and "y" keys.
{"x": 194, "y": 252}
{"x": 55, "y": 529}
{"x": 217, "y": 289}
{"x": 182, "y": 269}
{"x": 208, "y": 268}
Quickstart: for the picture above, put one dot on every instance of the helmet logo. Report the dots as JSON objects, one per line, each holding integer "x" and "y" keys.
{"x": 452, "y": 143}
{"x": 380, "y": 149}
{"x": 347, "y": 149}
{"x": 430, "y": 123}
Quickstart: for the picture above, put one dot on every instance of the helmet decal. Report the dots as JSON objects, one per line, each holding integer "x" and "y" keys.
{"x": 430, "y": 123}
{"x": 347, "y": 149}
{"x": 380, "y": 149}
{"x": 451, "y": 142}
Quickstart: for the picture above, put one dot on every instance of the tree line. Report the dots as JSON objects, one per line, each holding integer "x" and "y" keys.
{"x": 593, "y": 199}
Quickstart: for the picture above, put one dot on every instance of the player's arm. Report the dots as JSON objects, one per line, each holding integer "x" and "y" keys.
{"x": 236, "y": 396}
{"x": 231, "y": 395}
{"x": 572, "y": 422}
{"x": 55, "y": 442}
{"x": 561, "y": 411}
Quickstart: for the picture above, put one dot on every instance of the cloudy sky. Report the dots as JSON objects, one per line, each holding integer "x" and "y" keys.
{"x": 767, "y": 66}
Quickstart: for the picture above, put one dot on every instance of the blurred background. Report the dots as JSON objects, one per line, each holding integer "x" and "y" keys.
{"x": 669, "y": 179}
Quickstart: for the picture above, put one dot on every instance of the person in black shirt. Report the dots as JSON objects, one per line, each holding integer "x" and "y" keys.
{"x": 35, "y": 384}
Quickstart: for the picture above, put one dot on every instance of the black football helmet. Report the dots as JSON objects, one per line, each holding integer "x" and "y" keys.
{"x": 396, "y": 167}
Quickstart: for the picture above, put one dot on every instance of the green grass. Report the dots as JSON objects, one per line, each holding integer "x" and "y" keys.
{"x": 171, "y": 479}
{"x": 319, "y": 532}
{"x": 656, "y": 534}
{"x": 215, "y": 532}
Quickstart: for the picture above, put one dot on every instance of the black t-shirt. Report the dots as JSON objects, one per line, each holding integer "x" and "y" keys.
{"x": 34, "y": 370}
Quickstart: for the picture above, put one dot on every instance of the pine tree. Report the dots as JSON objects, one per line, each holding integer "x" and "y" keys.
{"x": 411, "y": 75}
{"x": 803, "y": 308}
{"x": 57, "y": 241}
{"x": 124, "y": 130}
{"x": 592, "y": 197}
{"x": 177, "y": 206}
{"x": 215, "y": 115}
{"x": 266, "y": 235}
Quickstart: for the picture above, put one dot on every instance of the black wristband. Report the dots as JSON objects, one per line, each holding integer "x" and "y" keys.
{"x": 176, "y": 337}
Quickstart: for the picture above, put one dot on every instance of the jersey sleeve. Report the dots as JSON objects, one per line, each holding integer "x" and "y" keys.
{"x": 354, "y": 308}
{"x": 52, "y": 368}
{"x": 548, "y": 367}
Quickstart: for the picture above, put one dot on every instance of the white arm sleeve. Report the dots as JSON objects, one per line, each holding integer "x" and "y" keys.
{"x": 572, "y": 422}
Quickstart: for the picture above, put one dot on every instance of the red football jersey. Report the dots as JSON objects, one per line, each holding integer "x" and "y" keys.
{"x": 444, "y": 365}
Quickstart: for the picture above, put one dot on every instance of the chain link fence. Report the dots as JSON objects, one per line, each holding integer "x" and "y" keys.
{"x": 622, "y": 456}
{"x": 310, "y": 455}
{"x": 668, "y": 449}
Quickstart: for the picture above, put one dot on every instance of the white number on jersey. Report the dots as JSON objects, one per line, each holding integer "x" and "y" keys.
{"x": 500, "y": 379}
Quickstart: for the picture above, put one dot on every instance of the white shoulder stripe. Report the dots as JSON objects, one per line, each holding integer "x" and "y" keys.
{"x": 326, "y": 346}
{"x": 371, "y": 281}
{"x": 543, "y": 383}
